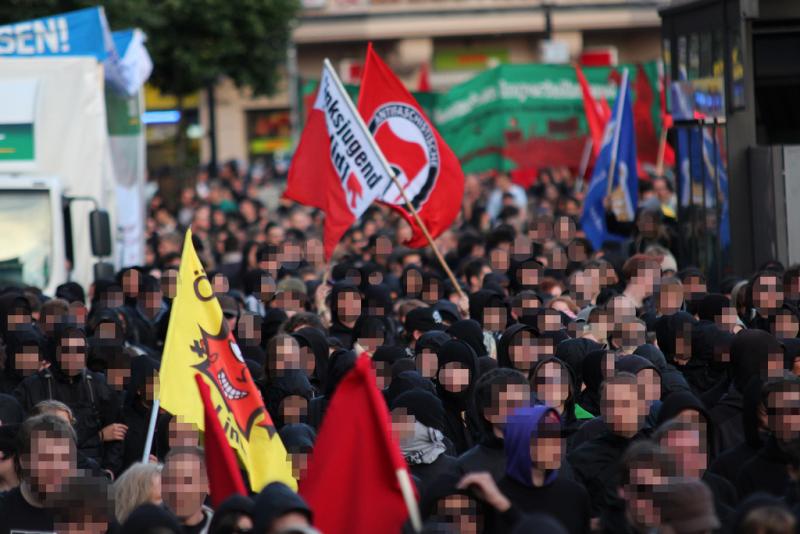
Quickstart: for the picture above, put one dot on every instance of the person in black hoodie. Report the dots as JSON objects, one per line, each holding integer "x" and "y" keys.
{"x": 517, "y": 348}
{"x": 497, "y": 394}
{"x": 425, "y": 352}
{"x": 490, "y": 309}
{"x": 768, "y": 469}
{"x": 455, "y": 381}
{"x": 534, "y": 449}
{"x": 314, "y": 344}
{"x": 573, "y": 351}
{"x": 471, "y": 332}
{"x": 136, "y": 411}
{"x": 278, "y": 508}
{"x": 24, "y": 356}
{"x": 86, "y": 393}
{"x": 345, "y": 307}
{"x": 595, "y": 463}
{"x": 552, "y": 383}
{"x": 671, "y": 379}
{"x": 340, "y": 363}
{"x": 288, "y": 397}
{"x": 593, "y": 370}
{"x": 751, "y": 353}
{"x": 418, "y": 420}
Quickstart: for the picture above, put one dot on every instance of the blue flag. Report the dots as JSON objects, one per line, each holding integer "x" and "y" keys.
{"x": 619, "y": 147}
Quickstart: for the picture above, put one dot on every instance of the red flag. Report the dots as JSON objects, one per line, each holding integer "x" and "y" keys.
{"x": 427, "y": 169}
{"x": 224, "y": 478}
{"x": 336, "y": 166}
{"x": 351, "y": 482}
{"x": 597, "y": 113}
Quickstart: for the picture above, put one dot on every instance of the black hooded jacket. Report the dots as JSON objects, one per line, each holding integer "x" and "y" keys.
{"x": 16, "y": 341}
{"x": 462, "y": 431}
{"x": 338, "y": 329}
{"x": 592, "y": 373}
{"x": 289, "y": 382}
{"x": 573, "y": 351}
{"x": 672, "y": 380}
{"x": 485, "y": 298}
{"x": 340, "y": 363}
{"x": 471, "y": 332}
{"x": 506, "y": 341}
{"x": 316, "y": 341}
{"x": 136, "y": 415}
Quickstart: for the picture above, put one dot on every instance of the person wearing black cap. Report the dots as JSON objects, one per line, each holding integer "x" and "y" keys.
{"x": 418, "y": 420}
{"x": 419, "y": 321}
{"x": 278, "y": 508}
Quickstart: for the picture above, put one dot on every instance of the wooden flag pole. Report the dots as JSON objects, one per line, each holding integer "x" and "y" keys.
{"x": 408, "y": 496}
{"x": 662, "y": 148}
{"x": 388, "y": 169}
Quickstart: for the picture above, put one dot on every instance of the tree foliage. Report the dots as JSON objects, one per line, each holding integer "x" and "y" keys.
{"x": 193, "y": 42}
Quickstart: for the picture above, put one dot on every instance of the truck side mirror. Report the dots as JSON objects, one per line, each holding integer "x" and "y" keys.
{"x": 100, "y": 230}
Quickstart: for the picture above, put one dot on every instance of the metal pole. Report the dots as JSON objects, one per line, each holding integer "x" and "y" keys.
{"x": 294, "y": 91}
{"x": 151, "y": 430}
{"x": 717, "y": 201}
{"x": 212, "y": 129}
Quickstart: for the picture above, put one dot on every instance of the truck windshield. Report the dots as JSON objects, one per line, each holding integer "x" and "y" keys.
{"x": 26, "y": 237}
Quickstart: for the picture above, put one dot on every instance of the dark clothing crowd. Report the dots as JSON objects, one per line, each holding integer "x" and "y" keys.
{"x": 541, "y": 385}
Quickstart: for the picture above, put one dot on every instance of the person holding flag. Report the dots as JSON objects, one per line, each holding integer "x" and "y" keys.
{"x": 614, "y": 184}
{"x": 199, "y": 342}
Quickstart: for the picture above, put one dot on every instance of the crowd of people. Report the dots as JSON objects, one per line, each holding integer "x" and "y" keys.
{"x": 553, "y": 388}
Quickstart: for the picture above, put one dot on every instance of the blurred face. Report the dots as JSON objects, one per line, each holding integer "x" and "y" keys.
{"x": 348, "y": 306}
{"x": 27, "y": 361}
{"x": 783, "y": 411}
{"x": 460, "y": 512}
{"x": 72, "y": 354}
{"x": 117, "y": 377}
{"x": 786, "y": 325}
{"x": 638, "y": 496}
{"x": 622, "y": 408}
{"x": 522, "y": 351}
{"x": 454, "y": 376}
{"x": 50, "y": 462}
{"x": 507, "y": 399}
{"x": 130, "y": 283}
{"x": 670, "y": 299}
{"x": 551, "y": 384}
{"x": 169, "y": 283}
{"x": 403, "y": 424}
{"x": 688, "y": 450}
{"x": 650, "y": 383}
{"x": 494, "y": 318}
{"x": 546, "y": 452}
{"x": 427, "y": 363}
{"x": 294, "y": 409}
{"x": 768, "y": 294}
{"x": 287, "y": 355}
{"x": 184, "y": 485}
{"x": 413, "y": 282}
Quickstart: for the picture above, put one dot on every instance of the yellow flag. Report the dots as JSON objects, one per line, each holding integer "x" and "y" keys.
{"x": 199, "y": 341}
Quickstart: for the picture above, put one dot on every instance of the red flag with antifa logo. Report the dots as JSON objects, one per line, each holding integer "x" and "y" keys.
{"x": 427, "y": 169}
{"x": 336, "y": 166}
{"x": 352, "y": 480}
{"x": 224, "y": 478}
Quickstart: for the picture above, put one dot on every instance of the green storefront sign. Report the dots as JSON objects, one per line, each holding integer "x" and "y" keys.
{"x": 16, "y": 142}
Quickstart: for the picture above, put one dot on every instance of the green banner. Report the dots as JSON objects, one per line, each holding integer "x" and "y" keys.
{"x": 123, "y": 116}
{"x": 525, "y": 117}
{"x": 16, "y": 142}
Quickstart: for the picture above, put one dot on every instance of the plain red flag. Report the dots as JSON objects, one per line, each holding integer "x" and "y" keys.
{"x": 224, "y": 478}
{"x": 427, "y": 169}
{"x": 597, "y": 113}
{"x": 351, "y": 483}
{"x": 336, "y": 167}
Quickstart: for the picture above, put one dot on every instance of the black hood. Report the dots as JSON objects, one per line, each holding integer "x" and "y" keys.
{"x": 676, "y": 402}
{"x": 340, "y": 363}
{"x": 374, "y": 327}
{"x": 653, "y": 354}
{"x": 506, "y": 340}
{"x": 432, "y": 340}
{"x": 406, "y": 381}
{"x": 471, "y": 332}
{"x": 315, "y": 340}
{"x": 337, "y": 289}
{"x": 404, "y": 288}
{"x": 750, "y": 350}
{"x": 515, "y": 270}
{"x": 573, "y": 351}
{"x": 274, "y": 501}
{"x": 142, "y": 368}
{"x": 483, "y": 299}
{"x": 458, "y": 351}
{"x": 667, "y": 327}
{"x": 298, "y": 437}
{"x": 378, "y": 300}
{"x": 633, "y": 364}
{"x": 710, "y": 306}
{"x": 593, "y": 376}
{"x": 289, "y": 382}
{"x": 15, "y": 342}
{"x": 8, "y": 303}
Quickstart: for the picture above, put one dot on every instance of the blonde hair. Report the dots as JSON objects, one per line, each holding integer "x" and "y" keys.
{"x": 133, "y": 488}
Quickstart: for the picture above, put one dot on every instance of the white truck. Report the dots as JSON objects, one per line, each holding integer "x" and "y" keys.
{"x": 55, "y": 172}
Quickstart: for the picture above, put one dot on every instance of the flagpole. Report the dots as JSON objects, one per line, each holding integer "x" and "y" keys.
{"x": 408, "y": 496}
{"x": 662, "y": 148}
{"x": 151, "y": 430}
{"x": 388, "y": 169}
{"x": 623, "y": 91}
